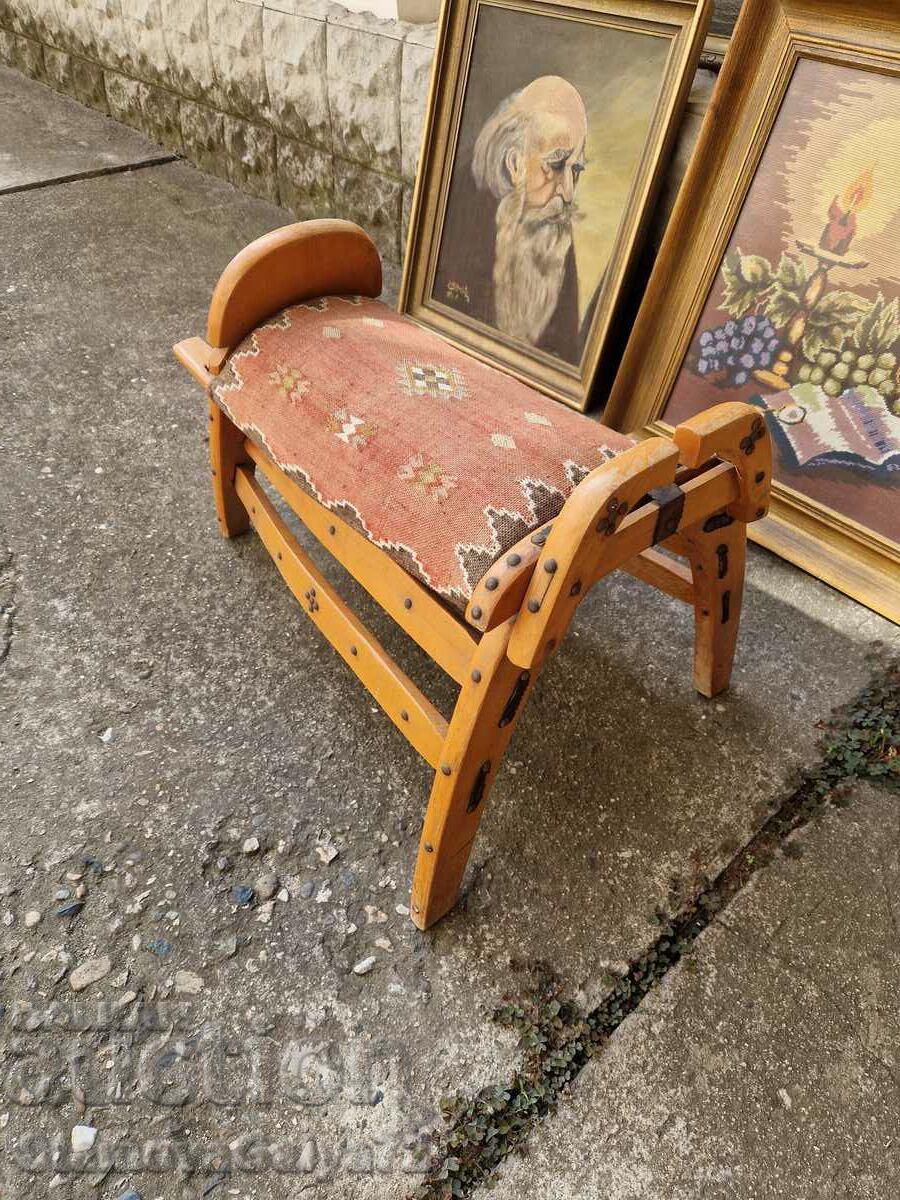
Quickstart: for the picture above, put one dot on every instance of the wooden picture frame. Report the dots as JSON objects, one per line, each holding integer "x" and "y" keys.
{"x": 827, "y": 515}
{"x": 497, "y": 68}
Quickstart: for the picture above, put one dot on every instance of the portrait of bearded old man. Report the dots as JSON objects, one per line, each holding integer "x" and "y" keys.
{"x": 513, "y": 258}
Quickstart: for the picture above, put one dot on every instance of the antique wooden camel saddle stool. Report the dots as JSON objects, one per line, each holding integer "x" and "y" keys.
{"x": 476, "y": 511}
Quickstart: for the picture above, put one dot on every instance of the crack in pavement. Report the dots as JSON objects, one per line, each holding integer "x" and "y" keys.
{"x": 158, "y": 160}
{"x": 7, "y": 602}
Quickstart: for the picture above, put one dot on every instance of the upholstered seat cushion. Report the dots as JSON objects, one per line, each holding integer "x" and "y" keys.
{"x": 441, "y": 460}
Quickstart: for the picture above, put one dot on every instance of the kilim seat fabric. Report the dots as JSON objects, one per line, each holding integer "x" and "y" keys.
{"x": 440, "y": 460}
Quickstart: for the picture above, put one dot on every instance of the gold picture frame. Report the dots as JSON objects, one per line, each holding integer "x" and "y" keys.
{"x": 490, "y": 53}
{"x": 834, "y": 513}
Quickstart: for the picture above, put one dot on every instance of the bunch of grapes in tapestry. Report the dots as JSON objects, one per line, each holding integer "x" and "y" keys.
{"x": 804, "y": 319}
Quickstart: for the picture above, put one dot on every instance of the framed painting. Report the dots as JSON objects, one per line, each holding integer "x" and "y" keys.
{"x": 548, "y": 128}
{"x": 778, "y": 283}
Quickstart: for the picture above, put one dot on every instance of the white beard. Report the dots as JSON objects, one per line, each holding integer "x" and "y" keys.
{"x": 529, "y": 266}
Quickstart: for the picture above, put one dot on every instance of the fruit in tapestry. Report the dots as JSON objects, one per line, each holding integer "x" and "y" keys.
{"x": 804, "y": 317}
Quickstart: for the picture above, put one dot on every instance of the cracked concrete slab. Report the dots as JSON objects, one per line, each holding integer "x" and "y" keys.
{"x": 164, "y": 703}
{"x": 48, "y": 137}
{"x": 768, "y": 1063}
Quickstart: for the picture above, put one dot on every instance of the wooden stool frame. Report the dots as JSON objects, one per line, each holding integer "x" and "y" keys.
{"x": 693, "y": 495}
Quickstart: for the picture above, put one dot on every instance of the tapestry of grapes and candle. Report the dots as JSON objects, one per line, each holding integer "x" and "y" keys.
{"x": 804, "y": 319}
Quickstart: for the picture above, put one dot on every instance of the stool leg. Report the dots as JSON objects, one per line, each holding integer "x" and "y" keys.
{"x": 226, "y": 454}
{"x": 717, "y": 563}
{"x": 482, "y": 724}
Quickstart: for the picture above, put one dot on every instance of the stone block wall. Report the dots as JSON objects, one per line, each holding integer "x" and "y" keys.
{"x": 298, "y": 101}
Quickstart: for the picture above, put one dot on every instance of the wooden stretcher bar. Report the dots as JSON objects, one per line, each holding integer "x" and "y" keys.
{"x": 412, "y": 712}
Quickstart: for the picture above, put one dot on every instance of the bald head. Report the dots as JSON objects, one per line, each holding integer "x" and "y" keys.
{"x": 534, "y": 144}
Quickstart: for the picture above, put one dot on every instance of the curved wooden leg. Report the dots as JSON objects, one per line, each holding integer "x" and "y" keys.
{"x": 226, "y": 454}
{"x": 482, "y": 724}
{"x": 717, "y": 557}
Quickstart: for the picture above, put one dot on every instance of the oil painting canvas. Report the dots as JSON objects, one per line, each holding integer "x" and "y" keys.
{"x": 804, "y": 318}
{"x": 554, "y": 123}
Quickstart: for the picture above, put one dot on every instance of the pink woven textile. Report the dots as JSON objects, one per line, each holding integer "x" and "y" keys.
{"x": 442, "y": 461}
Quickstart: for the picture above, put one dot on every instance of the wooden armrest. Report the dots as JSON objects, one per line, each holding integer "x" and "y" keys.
{"x": 736, "y": 433}
{"x": 203, "y": 362}
{"x": 287, "y": 266}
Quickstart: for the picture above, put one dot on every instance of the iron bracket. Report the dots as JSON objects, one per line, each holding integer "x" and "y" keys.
{"x": 671, "y": 507}
{"x": 515, "y": 699}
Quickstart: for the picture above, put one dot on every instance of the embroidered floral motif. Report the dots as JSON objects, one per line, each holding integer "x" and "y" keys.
{"x": 428, "y": 478}
{"x": 354, "y": 431}
{"x": 375, "y": 322}
{"x": 429, "y": 379}
{"x": 332, "y": 331}
{"x": 290, "y": 381}
{"x": 503, "y": 441}
{"x": 537, "y": 419}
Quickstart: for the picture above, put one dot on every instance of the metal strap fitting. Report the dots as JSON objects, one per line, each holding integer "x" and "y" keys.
{"x": 671, "y": 506}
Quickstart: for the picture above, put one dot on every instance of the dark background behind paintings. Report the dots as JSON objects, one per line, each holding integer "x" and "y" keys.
{"x": 724, "y": 17}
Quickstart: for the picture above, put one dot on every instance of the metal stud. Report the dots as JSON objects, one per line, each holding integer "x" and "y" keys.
{"x": 550, "y": 566}
{"x": 445, "y": 768}
{"x": 534, "y": 606}
{"x": 429, "y": 849}
{"x": 332, "y": 529}
{"x": 404, "y": 715}
{"x": 476, "y": 676}
{"x": 575, "y": 588}
{"x": 513, "y": 560}
{"x": 760, "y": 476}
{"x": 407, "y": 603}
{"x": 476, "y": 612}
{"x": 353, "y": 651}
{"x": 491, "y": 583}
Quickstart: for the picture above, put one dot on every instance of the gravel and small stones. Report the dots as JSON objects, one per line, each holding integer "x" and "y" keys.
{"x": 130, "y": 1195}
{"x": 89, "y": 972}
{"x": 32, "y": 918}
{"x": 83, "y": 1138}
{"x": 188, "y": 983}
{"x": 242, "y": 895}
{"x": 327, "y": 852}
{"x": 365, "y": 965}
{"x": 266, "y": 885}
{"x": 250, "y": 845}
{"x": 160, "y": 947}
{"x": 307, "y": 889}
{"x": 72, "y": 909}
{"x": 225, "y": 947}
